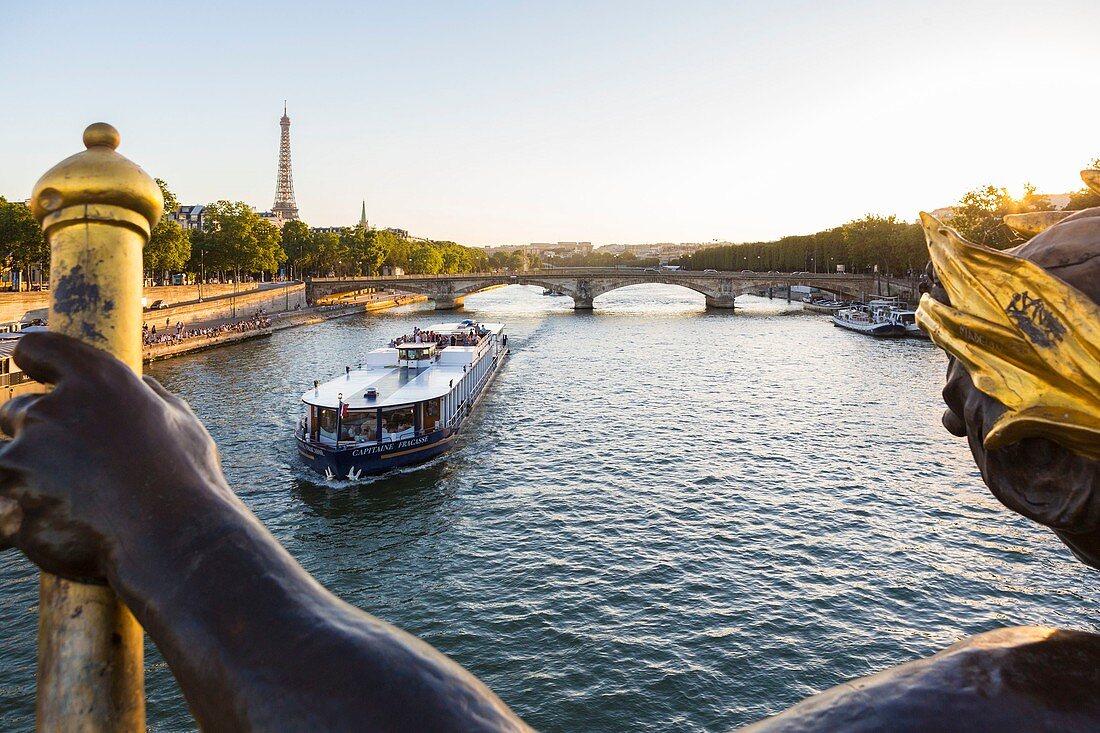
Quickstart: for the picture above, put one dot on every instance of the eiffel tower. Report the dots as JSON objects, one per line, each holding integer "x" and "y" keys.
{"x": 284, "y": 206}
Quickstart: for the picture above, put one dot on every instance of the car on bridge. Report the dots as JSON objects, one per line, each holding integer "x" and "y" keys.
{"x": 710, "y": 272}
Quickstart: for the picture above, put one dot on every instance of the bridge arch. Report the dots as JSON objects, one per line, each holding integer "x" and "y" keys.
{"x": 584, "y": 285}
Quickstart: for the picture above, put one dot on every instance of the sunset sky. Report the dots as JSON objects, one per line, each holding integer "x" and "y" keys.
{"x": 508, "y": 123}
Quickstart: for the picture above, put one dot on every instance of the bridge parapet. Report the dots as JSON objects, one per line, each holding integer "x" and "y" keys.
{"x": 584, "y": 285}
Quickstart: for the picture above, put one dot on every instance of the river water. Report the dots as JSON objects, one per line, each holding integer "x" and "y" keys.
{"x": 661, "y": 518}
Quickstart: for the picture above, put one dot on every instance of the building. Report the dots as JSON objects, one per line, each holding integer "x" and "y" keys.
{"x": 188, "y": 217}
{"x": 275, "y": 217}
{"x": 660, "y": 250}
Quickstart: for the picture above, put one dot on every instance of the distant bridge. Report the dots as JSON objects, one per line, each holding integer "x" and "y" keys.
{"x": 586, "y": 284}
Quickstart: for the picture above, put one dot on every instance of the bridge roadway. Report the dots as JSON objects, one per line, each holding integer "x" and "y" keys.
{"x": 584, "y": 285}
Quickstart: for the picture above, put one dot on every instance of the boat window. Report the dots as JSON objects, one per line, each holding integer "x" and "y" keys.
{"x": 326, "y": 422}
{"x": 360, "y": 426}
{"x": 398, "y": 423}
{"x": 432, "y": 414}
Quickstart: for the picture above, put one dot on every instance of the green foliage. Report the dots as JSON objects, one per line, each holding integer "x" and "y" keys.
{"x": 297, "y": 243}
{"x": 169, "y": 246}
{"x": 236, "y": 238}
{"x": 171, "y": 203}
{"x": 425, "y": 259}
{"x": 519, "y": 261}
{"x": 373, "y": 254}
{"x": 979, "y": 216}
{"x": 325, "y": 257}
{"x": 895, "y": 246}
{"x": 599, "y": 259}
{"x": 1086, "y": 198}
{"x": 364, "y": 250}
{"x": 267, "y": 253}
{"x": 358, "y": 251}
{"x": 22, "y": 243}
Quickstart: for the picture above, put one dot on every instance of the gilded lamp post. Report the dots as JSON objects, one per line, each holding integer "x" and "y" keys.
{"x": 97, "y": 210}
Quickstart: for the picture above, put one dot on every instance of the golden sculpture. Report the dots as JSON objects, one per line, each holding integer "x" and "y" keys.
{"x": 1028, "y": 339}
{"x": 97, "y": 209}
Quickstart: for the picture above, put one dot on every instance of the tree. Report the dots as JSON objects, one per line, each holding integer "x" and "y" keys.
{"x": 298, "y": 244}
{"x": 376, "y": 246}
{"x": 1086, "y": 198}
{"x": 267, "y": 254}
{"x": 424, "y": 259}
{"x": 169, "y": 246}
{"x": 22, "y": 243}
{"x": 236, "y": 238}
{"x": 325, "y": 257}
{"x": 979, "y": 216}
{"x": 352, "y": 243}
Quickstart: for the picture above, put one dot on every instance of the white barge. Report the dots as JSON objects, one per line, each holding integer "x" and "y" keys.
{"x": 403, "y": 404}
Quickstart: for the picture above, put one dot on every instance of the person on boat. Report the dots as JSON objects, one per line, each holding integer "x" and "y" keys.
{"x": 257, "y": 644}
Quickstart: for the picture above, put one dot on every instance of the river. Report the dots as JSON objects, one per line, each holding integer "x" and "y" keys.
{"x": 661, "y": 518}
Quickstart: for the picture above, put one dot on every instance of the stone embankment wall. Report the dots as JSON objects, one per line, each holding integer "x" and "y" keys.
{"x": 227, "y": 307}
{"x": 28, "y": 306}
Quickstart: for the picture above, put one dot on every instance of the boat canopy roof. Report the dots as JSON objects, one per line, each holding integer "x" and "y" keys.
{"x": 396, "y": 385}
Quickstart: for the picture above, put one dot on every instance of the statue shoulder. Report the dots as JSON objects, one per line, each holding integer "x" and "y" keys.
{"x": 1016, "y": 679}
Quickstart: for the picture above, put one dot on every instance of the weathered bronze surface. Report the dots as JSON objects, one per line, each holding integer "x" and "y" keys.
{"x": 96, "y": 209}
{"x": 1026, "y": 338}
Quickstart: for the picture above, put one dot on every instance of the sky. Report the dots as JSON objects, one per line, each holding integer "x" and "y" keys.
{"x": 611, "y": 122}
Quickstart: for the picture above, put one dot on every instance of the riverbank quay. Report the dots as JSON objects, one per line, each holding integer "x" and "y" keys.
{"x": 278, "y": 321}
{"x": 157, "y": 352}
{"x": 321, "y": 313}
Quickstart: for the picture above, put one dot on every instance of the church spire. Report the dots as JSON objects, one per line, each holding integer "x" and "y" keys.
{"x": 363, "y": 216}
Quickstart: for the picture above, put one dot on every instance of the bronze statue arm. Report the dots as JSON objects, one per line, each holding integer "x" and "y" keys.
{"x": 111, "y": 478}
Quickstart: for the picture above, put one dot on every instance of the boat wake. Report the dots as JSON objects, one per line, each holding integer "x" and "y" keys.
{"x": 337, "y": 483}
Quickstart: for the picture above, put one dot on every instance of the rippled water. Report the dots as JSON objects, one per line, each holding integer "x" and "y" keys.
{"x": 661, "y": 518}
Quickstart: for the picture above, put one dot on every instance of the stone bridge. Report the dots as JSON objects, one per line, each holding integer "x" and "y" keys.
{"x": 584, "y": 285}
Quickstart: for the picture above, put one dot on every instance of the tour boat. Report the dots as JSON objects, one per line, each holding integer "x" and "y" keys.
{"x": 403, "y": 404}
{"x": 869, "y": 320}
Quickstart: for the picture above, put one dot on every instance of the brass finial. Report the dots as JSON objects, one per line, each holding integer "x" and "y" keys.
{"x": 97, "y": 184}
{"x": 101, "y": 133}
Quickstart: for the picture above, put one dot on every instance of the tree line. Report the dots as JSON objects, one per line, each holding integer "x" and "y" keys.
{"x": 895, "y": 246}
{"x": 235, "y": 239}
{"x": 237, "y": 242}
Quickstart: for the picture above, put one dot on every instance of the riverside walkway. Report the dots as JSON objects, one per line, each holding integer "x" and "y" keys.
{"x": 584, "y": 285}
